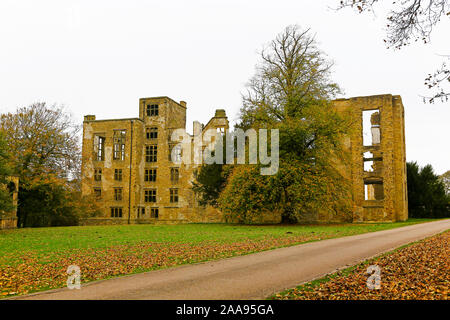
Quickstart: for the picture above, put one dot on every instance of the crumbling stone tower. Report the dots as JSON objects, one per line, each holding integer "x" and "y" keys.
{"x": 127, "y": 168}
{"x": 378, "y": 165}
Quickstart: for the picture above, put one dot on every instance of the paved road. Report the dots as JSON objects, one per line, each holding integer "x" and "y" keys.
{"x": 254, "y": 276}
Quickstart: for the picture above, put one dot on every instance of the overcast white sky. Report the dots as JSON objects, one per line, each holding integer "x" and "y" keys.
{"x": 100, "y": 56}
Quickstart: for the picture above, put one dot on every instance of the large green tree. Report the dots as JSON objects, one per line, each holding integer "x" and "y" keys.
{"x": 291, "y": 91}
{"x": 44, "y": 143}
{"x": 426, "y": 193}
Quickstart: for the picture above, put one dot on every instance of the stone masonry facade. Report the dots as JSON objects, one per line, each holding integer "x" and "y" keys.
{"x": 378, "y": 157}
{"x": 127, "y": 169}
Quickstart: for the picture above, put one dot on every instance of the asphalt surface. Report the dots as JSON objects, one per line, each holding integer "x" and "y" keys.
{"x": 254, "y": 276}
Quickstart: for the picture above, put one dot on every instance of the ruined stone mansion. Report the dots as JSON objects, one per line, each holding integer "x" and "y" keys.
{"x": 127, "y": 167}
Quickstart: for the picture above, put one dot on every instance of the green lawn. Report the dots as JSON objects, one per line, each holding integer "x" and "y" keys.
{"x": 47, "y": 241}
{"x": 36, "y": 259}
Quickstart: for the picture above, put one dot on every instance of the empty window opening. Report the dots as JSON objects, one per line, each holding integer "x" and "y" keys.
{"x": 151, "y": 153}
{"x": 116, "y": 212}
{"x": 154, "y": 213}
{"x": 372, "y": 163}
{"x": 373, "y": 190}
{"x": 174, "y": 175}
{"x": 371, "y": 127}
{"x": 368, "y": 162}
{"x": 98, "y": 193}
{"x": 98, "y": 174}
{"x": 118, "y": 174}
{"x": 118, "y": 194}
{"x": 140, "y": 212}
{"x": 173, "y": 195}
{"x": 99, "y": 148}
{"x": 12, "y": 187}
{"x": 119, "y": 145}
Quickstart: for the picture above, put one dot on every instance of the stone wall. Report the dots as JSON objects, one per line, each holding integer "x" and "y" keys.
{"x": 384, "y": 185}
{"x": 8, "y": 220}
